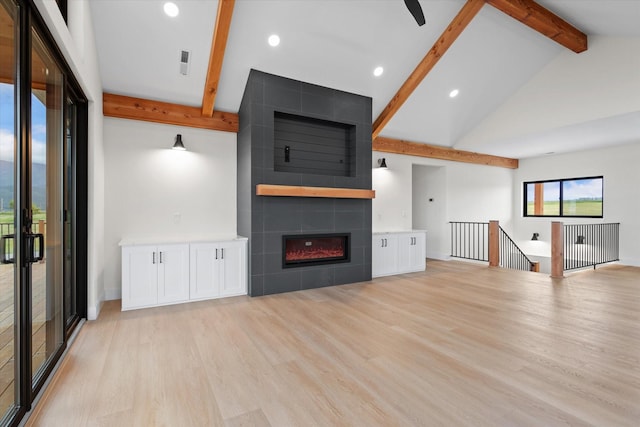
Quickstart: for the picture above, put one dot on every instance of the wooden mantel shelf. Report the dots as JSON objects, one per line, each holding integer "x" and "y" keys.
{"x": 298, "y": 191}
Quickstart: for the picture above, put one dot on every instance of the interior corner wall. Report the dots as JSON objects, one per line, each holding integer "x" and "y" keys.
{"x": 153, "y": 192}
{"x": 621, "y": 174}
{"x": 472, "y": 193}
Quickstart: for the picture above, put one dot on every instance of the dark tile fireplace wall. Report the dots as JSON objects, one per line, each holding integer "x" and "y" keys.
{"x": 266, "y": 219}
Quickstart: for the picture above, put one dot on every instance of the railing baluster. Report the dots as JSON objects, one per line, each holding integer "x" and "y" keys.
{"x": 511, "y": 255}
{"x": 591, "y": 245}
{"x": 469, "y": 240}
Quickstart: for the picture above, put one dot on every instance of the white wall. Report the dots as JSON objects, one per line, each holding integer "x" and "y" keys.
{"x": 618, "y": 165}
{"x": 574, "y": 88}
{"x": 472, "y": 193}
{"x": 155, "y": 192}
{"x": 429, "y": 210}
{"x": 77, "y": 44}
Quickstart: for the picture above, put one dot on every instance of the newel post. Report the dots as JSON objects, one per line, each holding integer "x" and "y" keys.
{"x": 557, "y": 250}
{"x": 494, "y": 244}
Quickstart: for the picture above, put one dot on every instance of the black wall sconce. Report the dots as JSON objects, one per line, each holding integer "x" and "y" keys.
{"x": 580, "y": 240}
{"x": 178, "y": 144}
{"x": 535, "y": 236}
{"x": 382, "y": 163}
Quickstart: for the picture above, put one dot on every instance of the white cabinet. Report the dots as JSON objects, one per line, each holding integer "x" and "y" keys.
{"x": 411, "y": 252}
{"x": 384, "y": 258}
{"x": 218, "y": 269}
{"x": 173, "y": 273}
{"x": 154, "y": 275}
{"x": 233, "y": 277}
{"x": 396, "y": 253}
{"x": 204, "y": 268}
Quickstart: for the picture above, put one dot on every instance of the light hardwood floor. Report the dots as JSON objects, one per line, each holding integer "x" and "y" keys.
{"x": 457, "y": 345}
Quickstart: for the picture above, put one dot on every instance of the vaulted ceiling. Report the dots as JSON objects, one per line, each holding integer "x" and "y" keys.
{"x": 521, "y": 93}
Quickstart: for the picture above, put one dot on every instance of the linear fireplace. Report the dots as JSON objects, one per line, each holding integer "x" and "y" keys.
{"x": 302, "y": 250}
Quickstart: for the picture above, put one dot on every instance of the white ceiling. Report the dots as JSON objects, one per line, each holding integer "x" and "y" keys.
{"x": 338, "y": 43}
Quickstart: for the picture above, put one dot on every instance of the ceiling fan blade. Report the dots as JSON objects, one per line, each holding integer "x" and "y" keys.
{"x": 416, "y": 10}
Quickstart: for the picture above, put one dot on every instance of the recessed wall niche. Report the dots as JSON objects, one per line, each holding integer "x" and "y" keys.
{"x": 313, "y": 146}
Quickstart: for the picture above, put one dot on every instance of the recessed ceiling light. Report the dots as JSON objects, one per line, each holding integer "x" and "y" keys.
{"x": 378, "y": 71}
{"x": 454, "y": 93}
{"x": 171, "y": 9}
{"x": 274, "y": 40}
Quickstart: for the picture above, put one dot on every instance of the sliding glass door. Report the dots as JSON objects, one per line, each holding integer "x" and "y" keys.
{"x": 46, "y": 152}
{"x": 42, "y": 131}
{"x": 8, "y": 26}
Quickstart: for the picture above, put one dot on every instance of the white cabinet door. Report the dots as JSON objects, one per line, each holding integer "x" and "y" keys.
{"x": 377, "y": 256}
{"x": 384, "y": 255}
{"x": 233, "y": 274}
{"x": 419, "y": 254}
{"x": 405, "y": 252}
{"x": 391, "y": 254}
{"x": 411, "y": 252}
{"x": 173, "y": 273}
{"x": 139, "y": 276}
{"x": 205, "y": 271}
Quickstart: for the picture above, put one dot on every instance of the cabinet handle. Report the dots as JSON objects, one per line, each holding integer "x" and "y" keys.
{"x": 216, "y": 253}
{"x": 385, "y": 243}
{"x": 222, "y": 250}
{"x": 161, "y": 257}
{"x": 154, "y": 258}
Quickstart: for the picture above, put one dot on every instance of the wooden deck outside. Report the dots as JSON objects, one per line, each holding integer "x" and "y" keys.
{"x": 7, "y": 328}
{"x": 458, "y": 345}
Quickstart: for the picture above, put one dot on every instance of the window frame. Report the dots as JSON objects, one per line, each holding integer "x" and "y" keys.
{"x": 561, "y": 182}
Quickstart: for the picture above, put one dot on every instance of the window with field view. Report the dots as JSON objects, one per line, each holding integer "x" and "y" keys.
{"x": 575, "y": 197}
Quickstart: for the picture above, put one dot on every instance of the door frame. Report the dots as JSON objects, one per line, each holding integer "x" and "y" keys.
{"x": 26, "y": 387}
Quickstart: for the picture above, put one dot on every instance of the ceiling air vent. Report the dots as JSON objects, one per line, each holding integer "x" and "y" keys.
{"x": 184, "y": 62}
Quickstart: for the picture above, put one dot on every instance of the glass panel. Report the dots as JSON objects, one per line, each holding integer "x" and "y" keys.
{"x": 47, "y": 103}
{"x": 531, "y": 197}
{"x": 8, "y": 16}
{"x": 582, "y": 197}
{"x": 543, "y": 198}
{"x": 551, "y": 199}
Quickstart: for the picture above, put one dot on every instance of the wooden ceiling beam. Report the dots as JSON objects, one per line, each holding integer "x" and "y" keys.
{"x": 218, "y": 46}
{"x": 398, "y": 146}
{"x": 455, "y": 28}
{"x": 126, "y": 107}
{"x": 543, "y": 21}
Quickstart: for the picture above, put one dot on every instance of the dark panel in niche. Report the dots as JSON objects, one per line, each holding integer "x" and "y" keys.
{"x": 313, "y": 146}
